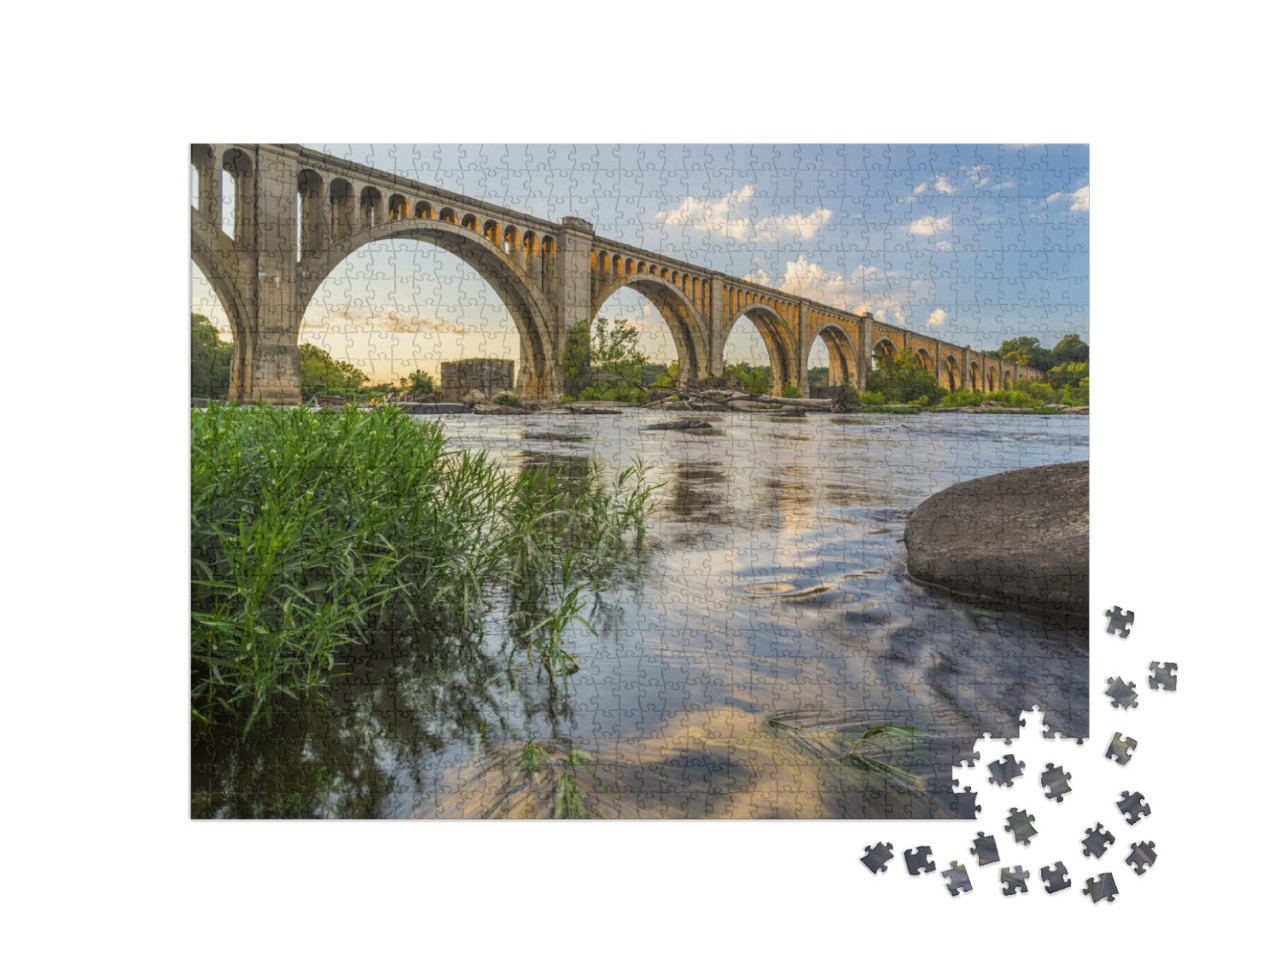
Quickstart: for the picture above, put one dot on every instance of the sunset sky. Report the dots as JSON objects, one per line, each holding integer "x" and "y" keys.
{"x": 971, "y": 243}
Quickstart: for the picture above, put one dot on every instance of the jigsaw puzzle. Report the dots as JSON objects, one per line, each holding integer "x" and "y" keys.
{"x": 640, "y": 481}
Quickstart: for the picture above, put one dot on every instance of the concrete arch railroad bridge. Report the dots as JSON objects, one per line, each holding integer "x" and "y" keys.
{"x": 548, "y": 275}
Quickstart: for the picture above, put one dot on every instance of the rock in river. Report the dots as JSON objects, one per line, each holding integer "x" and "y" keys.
{"x": 1018, "y": 539}
{"x": 685, "y": 424}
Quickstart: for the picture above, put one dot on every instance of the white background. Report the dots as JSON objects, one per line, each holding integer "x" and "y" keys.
{"x": 101, "y": 856}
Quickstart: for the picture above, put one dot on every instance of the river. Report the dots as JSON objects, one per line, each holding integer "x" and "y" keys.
{"x": 767, "y": 624}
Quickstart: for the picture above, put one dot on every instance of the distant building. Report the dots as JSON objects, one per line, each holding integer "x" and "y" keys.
{"x": 489, "y": 376}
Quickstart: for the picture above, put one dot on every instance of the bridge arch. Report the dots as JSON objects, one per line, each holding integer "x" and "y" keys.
{"x": 975, "y": 376}
{"x": 883, "y": 348}
{"x": 227, "y": 267}
{"x": 681, "y": 318}
{"x": 534, "y": 318}
{"x": 993, "y": 379}
{"x": 949, "y": 376}
{"x": 783, "y": 363}
{"x": 842, "y": 354}
{"x": 925, "y": 359}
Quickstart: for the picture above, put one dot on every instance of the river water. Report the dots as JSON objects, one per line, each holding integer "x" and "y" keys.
{"x": 766, "y": 625}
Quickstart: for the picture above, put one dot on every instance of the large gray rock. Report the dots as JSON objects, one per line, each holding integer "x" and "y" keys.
{"x": 1018, "y": 539}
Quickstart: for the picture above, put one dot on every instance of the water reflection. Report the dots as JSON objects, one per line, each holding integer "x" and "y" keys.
{"x": 769, "y": 624}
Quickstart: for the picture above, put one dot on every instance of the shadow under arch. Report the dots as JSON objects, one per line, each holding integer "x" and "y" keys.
{"x": 228, "y": 269}
{"x": 676, "y": 310}
{"x": 842, "y": 354}
{"x": 537, "y": 375}
{"x": 783, "y": 365}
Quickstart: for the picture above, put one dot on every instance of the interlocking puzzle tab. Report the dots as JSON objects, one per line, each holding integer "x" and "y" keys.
{"x": 1096, "y": 841}
{"x": 1141, "y": 856}
{"x": 1101, "y": 887}
{"x": 1119, "y": 622}
{"x": 1133, "y": 806}
{"x": 1014, "y": 880}
{"x": 1122, "y": 694}
{"x": 957, "y": 879}
{"x": 1163, "y": 676}
{"x": 876, "y": 859}
{"x": 918, "y": 860}
{"x": 1054, "y": 780}
{"x": 1055, "y": 879}
{"x": 1121, "y": 749}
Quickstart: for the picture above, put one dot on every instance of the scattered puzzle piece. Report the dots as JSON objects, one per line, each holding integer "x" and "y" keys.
{"x": 1133, "y": 806}
{"x": 984, "y": 847}
{"x": 918, "y": 861}
{"x": 1019, "y": 823}
{"x": 1122, "y": 694}
{"x": 876, "y": 859}
{"x": 1096, "y": 841}
{"x": 957, "y": 879}
{"x": 1121, "y": 749}
{"x": 1120, "y": 621}
{"x": 1141, "y": 856}
{"x": 1004, "y": 772}
{"x": 1163, "y": 676}
{"x": 1014, "y": 880}
{"x": 1055, "y": 880}
{"x": 1101, "y": 887}
{"x": 1055, "y": 781}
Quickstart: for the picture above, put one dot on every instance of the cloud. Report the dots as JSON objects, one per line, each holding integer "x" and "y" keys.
{"x": 865, "y": 289}
{"x": 718, "y": 217}
{"x": 936, "y": 317}
{"x": 930, "y": 225}
{"x": 1004, "y": 185}
{"x": 921, "y": 188}
{"x": 943, "y": 246}
{"x": 1079, "y": 199}
{"x": 382, "y": 319}
{"x": 943, "y": 186}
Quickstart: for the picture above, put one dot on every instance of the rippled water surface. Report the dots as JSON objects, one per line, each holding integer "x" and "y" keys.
{"x": 767, "y": 624}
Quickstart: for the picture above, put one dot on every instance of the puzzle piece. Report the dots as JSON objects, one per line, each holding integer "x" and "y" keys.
{"x": 1133, "y": 806}
{"x": 1054, "y": 780}
{"x": 1101, "y": 887}
{"x": 1014, "y": 880}
{"x": 1054, "y": 879}
{"x": 876, "y": 858}
{"x": 1096, "y": 841}
{"x": 1121, "y": 749}
{"x": 1163, "y": 676}
{"x": 1005, "y": 771}
{"x": 1119, "y": 622}
{"x": 918, "y": 861}
{"x": 957, "y": 879}
{"x": 1122, "y": 694}
{"x": 1019, "y": 823}
{"x": 1141, "y": 856}
{"x": 984, "y": 847}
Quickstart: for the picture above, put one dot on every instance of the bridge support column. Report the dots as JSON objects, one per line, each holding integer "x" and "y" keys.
{"x": 273, "y": 370}
{"x": 715, "y": 326}
{"x": 801, "y": 378}
{"x": 964, "y": 369}
{"x": 864, "y": 354}
{"x": 571, "y": 297}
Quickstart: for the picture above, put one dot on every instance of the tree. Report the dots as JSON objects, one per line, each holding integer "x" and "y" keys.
{"x": 757, "y": 381}
{"x": 321, "y": 374}
{"x": 1069, "y": 375}
{"x": 1070, "y": 349}
{"x": 1027, "y": 351}
{"x": 818, "y": 377}
{"x": 210, "y": 360}
{"x": 577, "y": 359}
{"x": 901, "y": 379}
{"x": 418, "y": 383}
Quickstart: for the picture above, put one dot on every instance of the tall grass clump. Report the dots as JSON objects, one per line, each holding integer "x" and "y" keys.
{"x": 311, "y": 531}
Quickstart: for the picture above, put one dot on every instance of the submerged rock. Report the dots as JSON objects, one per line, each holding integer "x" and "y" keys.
{"x": 1019, "y": 539}
{"x": 683, "y": 424}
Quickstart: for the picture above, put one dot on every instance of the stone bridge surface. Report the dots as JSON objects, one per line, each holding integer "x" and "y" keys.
{"x": 548, "y": 275}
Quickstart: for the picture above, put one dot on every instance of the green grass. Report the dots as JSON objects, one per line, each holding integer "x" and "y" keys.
{"x": 311, "y": 531}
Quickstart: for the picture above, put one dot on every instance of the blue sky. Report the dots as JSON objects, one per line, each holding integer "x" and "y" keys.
{"x": 972, "y": 243}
